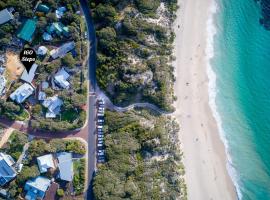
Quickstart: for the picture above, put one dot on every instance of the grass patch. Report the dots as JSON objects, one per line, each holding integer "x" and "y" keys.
{"x": 22, "y": 115}
{"x": 69, "y": 115}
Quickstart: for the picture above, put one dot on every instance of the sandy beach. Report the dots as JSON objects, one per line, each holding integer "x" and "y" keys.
{"x": 204, "y": 153}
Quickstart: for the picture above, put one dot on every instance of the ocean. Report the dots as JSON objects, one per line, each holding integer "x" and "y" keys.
{"x": 238, "y": 50}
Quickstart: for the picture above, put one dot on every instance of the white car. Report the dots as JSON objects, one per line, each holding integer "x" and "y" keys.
{"x": 100, "y": 145}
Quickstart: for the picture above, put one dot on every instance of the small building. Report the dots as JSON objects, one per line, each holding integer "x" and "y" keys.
{"x": 36, "y": 188}
{"x": 61, "y": 51}
{"x": 42, "y": 50}
{"x": 28, "y": 77}
{"x": 65, "y": 166}
{"x": 22, "y": 93}
{"x": 58, "y": 28}
{"x": 59, "y": 12}
{"x": 45, "y": 162}
{"x": 27, "y": 31}
{"x": 44, "y": 85}
{"x": 2, "y": 85}
{"x": 5, "y": 16}
{"x": 46, "y": 36}
{"x": 54, "y": 106}
{"x": 43, "y": 8}
{"x": 7, "y": 170}
{"x": 61, "y": 78}
{"x": 41, "y": 96}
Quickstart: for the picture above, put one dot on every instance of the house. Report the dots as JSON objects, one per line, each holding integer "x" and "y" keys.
{"x": 5, "y": 16}
{"x": 22, "y": 93}
{"x": 36, "y": 188}
{"x": 46, "y": 36}
{"x": 45, "y": 162}
{"x": 62, "y": 50}
{"x": 59, "y": 12}
{"x": 2, "y": 85}
{"x": 42, "y": 50}
{"x": 43, "y": 8}
{"x": 7, "y": 170}
{"x": 58, "y": 28}
{"x": 28, "y": 77}
{"x": 54, "y": 105}
{"x": 41, "y": 96}
{"x": 65, "y": 166}
{"x": 27, "y": 31}
{"x": 61, "y": 77}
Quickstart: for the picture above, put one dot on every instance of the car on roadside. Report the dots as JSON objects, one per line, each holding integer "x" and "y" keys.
{"x": 100, "y": 145}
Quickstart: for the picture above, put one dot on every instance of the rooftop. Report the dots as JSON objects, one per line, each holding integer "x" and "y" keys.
{"x": 45, "y": 162}
{"x": 62, "y": 50}
{"x": 7, "y": 172}
{"x": 36, "y": 188}
{"x": 61, "y": 78}
{"x": 22, "y": 93}
{"x": 53, "y": 104}
{"x": 28, "y": 29}
{"x": 5, "y": 16}
{"x": 65, "y": 165}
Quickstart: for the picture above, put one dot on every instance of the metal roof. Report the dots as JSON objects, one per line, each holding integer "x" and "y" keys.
{"x": 5, "y": 16}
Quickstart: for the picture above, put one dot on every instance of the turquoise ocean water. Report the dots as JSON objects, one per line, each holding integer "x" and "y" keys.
{"x": 241, "y": 64}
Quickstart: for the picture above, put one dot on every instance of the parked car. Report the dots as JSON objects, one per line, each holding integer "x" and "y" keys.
{"x": 101, "y": 139}
{"x": 100, "y": 145}
{"x": 100, "y": 136}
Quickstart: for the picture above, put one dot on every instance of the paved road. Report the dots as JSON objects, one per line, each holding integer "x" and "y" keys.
{"x": 91, "y": 98}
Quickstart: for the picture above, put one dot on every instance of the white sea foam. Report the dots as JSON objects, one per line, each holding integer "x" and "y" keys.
{"x": 212, "y": 91}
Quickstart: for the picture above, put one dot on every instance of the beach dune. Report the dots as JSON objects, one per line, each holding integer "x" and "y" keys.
{"x": 204, "y": 153}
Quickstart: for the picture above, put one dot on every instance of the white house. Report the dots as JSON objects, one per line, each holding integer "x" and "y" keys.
{"x": 41, "y": 96}
{"x": 62, "y": 50}
{"x": 42, "y": 50}
{"x": 22, "y": 93}
{"x": 61, "y": 77}
{"x": 28, "y": 77}
{"x": 54, "y": 105}
{"x": 45, "y": 162}
{"x": 5, "y": 16}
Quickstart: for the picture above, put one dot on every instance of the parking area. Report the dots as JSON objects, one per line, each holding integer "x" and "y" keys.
{"x": 100, "y": 119}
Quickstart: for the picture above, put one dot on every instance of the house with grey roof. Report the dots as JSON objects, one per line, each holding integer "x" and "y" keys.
{"x": 7, "y": 170}
{"x": 36, "y": 188}
{"x": 54, "y": 106}
{"x": 22, "y": 93}
{"x": 65, "y": 166}
{"x": 5, "y": 16}
{"x": 61, "y": 51}
{"x": 45, "y": 163}
{"x": 61, "y": 77}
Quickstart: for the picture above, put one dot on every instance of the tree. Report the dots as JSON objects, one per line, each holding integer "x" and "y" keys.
{"x": 37, "y": 148}
{"x": 51, "y": 17}
{"x": 56, "y": 145}
{"x": 105, "y": 13}
{"x": 69, "y": 61}
{"x": 41, "y": 24}
{"x": 60, "y": 192}
{"x": 27, "y": 173}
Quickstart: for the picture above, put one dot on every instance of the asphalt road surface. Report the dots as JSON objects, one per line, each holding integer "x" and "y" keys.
{"x": 91, "y": 98}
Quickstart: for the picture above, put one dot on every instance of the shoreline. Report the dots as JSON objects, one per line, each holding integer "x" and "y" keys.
{"x": 205, "y": 156}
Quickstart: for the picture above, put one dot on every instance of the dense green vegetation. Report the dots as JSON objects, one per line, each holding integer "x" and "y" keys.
{"x": 142, "y": 161}
{"x": 134, "y": 54}
{"x": 15, "y": 144}
{"x": 79, "y": 176}
{"x": 41, "y": 147}
{"x": 12, "y": 111}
